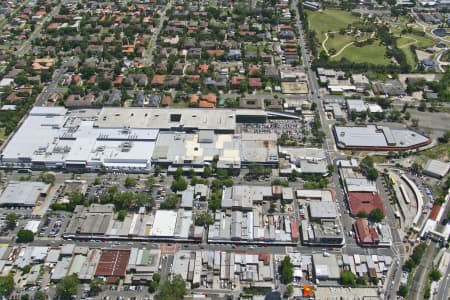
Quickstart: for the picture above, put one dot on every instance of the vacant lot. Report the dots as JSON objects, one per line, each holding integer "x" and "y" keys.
{"x": 440, "y": 152}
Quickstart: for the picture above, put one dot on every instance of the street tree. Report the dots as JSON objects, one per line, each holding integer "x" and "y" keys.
{"x": 173, "y": 289}
{"x": 25, "y": 236}
{"x": 376, "y": 215}
{"x": 67, "y": 287}
{"x": 96, "y": 286}
{"x": 130, "y": 182}
{"x": 435, "y": 274}
{"x": 11, "y": 221}
{"x": 403, "y": 291}
{"x": 6, "y": 285}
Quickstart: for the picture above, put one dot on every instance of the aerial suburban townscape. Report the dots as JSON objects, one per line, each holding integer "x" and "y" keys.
{"x": 224, "y": 149}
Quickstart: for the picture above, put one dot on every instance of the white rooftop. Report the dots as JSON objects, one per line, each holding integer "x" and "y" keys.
{"x": 164, "y": 223}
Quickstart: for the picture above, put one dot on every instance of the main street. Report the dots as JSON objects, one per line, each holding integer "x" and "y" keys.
{"x": 333, "y": 155}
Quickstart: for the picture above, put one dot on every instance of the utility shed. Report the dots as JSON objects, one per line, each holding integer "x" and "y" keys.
{"x": 436, "y": 168}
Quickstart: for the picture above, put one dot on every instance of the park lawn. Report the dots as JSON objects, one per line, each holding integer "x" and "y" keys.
{"x": 329, "y": 20}
{"x": 421, "y": 42}
{"x": 410, "y": 57}
{"x": 338, "y": 41}
{"x": 371, "y": 54}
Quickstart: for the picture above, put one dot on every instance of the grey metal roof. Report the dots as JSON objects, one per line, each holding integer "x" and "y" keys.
{"x": 377, "y": 136}
{"x": 23, "y": 193}
{"x": 323, "y": 210}
{"x": 436, "y": 168}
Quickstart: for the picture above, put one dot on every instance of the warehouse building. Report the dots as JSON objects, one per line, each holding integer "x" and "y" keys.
{"x": 87, "y": 270}
{"x": 436, "y": 168}
{"x": 90, "y": 221}
{"x": 378, "y": 138}
{"x": 259, "y": 149}
{"x": 113, "y": 264}
{"x": 24, "y": 193}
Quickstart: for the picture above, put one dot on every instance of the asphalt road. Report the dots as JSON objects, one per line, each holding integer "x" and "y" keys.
{"x": 25, "y": 47}
{"x": 444, "y": 286}
{"x": 333, "y": 154}
{"x": 148, "y": 55}
{"x": 52, "y": 86}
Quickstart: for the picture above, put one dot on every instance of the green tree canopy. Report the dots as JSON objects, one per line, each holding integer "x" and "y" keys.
{"x": 67, "y": 287}
{"x": 348, "y": 278}
{"x": 403, "y": 291}
{"x": 96, "y": 286}
{"x": 171, "y": 202}
{"x": 203, "y": 219}
{"x": 376, "y": 215}
{"x": 121, "y": 214}
{"x": 6, "y": 285}
{"x": 372, "y": 174}
{"x": 25, "y": 236}
{"x": 435, "y": 274}
{"x": 130, "y": 182}
{"x": 287, "y": 270}
{"x": 362, "y": 214}
{"x": 11, "y": 220}
{"x": 173, "y": 289}
{"x": 179, "y": 184}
